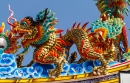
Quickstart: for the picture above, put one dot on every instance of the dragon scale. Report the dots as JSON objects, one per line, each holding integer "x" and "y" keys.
{"x": 96, "y": 45}
{"x": 45, "y": 48}
{"x": 41, "y": 34}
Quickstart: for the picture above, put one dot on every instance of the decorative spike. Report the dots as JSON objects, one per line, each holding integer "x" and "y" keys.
{"x": 99, "y": 50}
{"x": 100, "y": 37}
{"x": 73, "y": 25}
{"x": 61, "y": 41}
{"x": 2, "y": 27}
{"x": 58, "y": 31}
{"x": 83, "y": 27}
{"x": 61, "y": 35}
{"x": 106, "y": 39}
{"x": 7, "y": 33}
{"x": 78, "y": 26}
{"x": 88, "y": 30}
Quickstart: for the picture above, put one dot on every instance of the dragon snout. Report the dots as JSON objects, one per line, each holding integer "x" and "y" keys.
{"x": 19, "y": 30}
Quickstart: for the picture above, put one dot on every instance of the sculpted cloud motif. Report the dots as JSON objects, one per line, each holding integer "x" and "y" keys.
{"x": 8, "y": 68}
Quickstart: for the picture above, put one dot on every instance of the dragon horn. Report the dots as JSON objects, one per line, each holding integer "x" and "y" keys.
{"x": 12, "y": 13}
{"x": 83, "y": 27}
{"x": 88, "y": 30}
{"x": 73, "y": 25}
{"x": 46, "y": 13}
{"x": 78, "y": 26}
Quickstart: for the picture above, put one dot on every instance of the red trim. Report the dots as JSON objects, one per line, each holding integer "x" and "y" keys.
{"x": 120, "y": 64}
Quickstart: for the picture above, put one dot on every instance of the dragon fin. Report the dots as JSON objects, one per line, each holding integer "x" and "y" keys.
{"x": 73, "y": 25}
{"x": 61, "y": 41}
{"x": 83, "y": 27}
{"x": 58, "y": 31}
{"x": 78, "y": 26}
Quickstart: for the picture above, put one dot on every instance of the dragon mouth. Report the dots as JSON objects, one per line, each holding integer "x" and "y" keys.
{"x": 21, "y": 32}
{"x": 24, "y": 31}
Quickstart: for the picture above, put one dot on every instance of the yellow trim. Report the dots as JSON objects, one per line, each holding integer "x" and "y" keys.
{"x": 116, "y": 80}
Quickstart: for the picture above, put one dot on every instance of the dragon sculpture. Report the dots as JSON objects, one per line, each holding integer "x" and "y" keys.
{"x": 49, "y": 48}
{"x": 98, "y": 44}
{"x": 115, "y": 9}
{"x": 42, "y": 35}
{"x": 111, "y": 15}
{"x": 111, "y": 25}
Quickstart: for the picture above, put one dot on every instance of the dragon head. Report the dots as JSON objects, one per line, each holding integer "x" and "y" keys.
{"x": 115, "y": 8}
{"x": 34, "y": 31}
{"x": 26, "y": 28}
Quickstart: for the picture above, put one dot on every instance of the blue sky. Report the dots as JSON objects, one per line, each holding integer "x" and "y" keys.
{"x": 66, "y": 11}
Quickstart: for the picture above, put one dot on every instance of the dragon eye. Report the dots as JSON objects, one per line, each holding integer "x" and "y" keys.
{"x": 3, "y": 43}
{"x": 24, "y": 24}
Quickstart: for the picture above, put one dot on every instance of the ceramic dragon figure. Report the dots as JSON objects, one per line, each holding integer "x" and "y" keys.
{"x": 111, "y": 15}
{"x": 98, "y": 44}
{"x": 110, "y": 26}
{"x": 91, "y": 46}
{"x": 42, "y": 35}
{"x": 116, "y": 9}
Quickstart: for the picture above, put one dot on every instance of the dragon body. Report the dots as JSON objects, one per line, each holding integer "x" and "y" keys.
{"x": 91, "y": 46}
{"x": 42, "y": 35}
{"x": 49, "y": 48}
{"x": 99, "y": 44}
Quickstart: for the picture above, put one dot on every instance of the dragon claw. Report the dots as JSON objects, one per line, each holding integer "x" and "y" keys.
{"x": 54, "y": 73}
{"x": 100, "y": 71}
{"x": 19, "y": 60}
